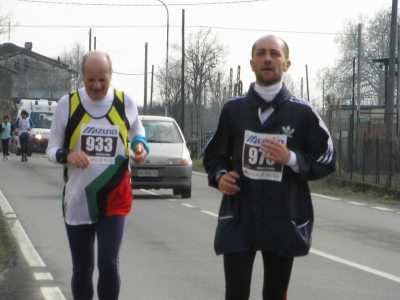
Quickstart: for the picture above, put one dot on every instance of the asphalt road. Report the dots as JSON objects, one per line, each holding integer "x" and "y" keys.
{"x": 167, "y": 252}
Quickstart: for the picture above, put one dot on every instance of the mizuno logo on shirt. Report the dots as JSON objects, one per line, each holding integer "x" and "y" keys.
{"x": 94, "y": 130}
{"x": 255, "y": 140}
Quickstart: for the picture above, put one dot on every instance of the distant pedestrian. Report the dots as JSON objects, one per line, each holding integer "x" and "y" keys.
{"x": 268, "y": 144}
{"x": 6, "y": 130}
{"x": 25, "y": 125}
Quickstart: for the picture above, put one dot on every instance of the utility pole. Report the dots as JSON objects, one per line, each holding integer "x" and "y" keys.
{"x": 398, "y": 80}
{"x": 238, "y": 82}
{"x": 151, "y": 90}
{"x": 308, "y": 93}
{"x": 90, "y": 39}
{"x": 145, "y": 80}
{"x": 230, "y": 82}
{"x": 392, "y": 62}
{"x": 323, "y": 97}
{"x": 183, "y": 74}
{"x": 94, "y": 42}
{"x": 302, "y": 97}
{"x": 358, "y": 81}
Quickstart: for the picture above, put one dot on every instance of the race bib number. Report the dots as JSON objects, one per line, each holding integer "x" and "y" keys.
{"x": 99, "y": 142}
{"x": 255, "y": 165}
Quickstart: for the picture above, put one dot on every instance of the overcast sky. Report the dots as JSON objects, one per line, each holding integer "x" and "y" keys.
{"x": 308, "y": 26}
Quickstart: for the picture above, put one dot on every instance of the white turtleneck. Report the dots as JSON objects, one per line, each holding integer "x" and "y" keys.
{"x": 268, "y": 93}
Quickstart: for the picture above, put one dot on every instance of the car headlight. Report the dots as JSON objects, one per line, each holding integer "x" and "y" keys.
{"x": 177, "y": 161}
{"x": 38, "y": 136}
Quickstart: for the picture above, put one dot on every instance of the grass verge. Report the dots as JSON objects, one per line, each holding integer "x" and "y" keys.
{"x": 7, "y": 245}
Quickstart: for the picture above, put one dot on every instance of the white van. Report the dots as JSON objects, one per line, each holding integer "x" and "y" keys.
{"x": 41, "y": 112}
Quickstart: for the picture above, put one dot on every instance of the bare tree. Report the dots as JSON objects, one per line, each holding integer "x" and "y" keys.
{"x": 375, "y": 44}
{"x": 204, "y": 59}
{"x": 5, "y": 19}
{"x": 291, "y": 84}
{"x": 73, "y": 58}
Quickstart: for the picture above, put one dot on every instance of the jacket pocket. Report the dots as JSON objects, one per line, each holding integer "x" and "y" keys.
{"x": 301, "y": 235}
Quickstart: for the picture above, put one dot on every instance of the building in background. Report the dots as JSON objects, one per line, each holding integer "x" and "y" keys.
{"x": 36, "y": 76}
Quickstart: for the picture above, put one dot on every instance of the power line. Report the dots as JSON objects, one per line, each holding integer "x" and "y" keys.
{"x": 190, "y": 26}
{"x": 125, "y": 5}
{"x": 173, "y": 26}
{"x": 129, "y": 74}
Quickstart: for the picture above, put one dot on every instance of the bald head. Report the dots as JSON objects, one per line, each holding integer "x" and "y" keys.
{"x": 96, "y": 74}
{"x": 94, "y": 56}
{"x": 284, "y": 46}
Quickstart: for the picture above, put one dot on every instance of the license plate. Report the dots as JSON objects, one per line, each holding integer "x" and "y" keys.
{"x": 147, "y": 173}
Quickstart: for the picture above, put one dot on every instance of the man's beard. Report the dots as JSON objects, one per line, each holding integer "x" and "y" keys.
{"x": 268, "y": 81}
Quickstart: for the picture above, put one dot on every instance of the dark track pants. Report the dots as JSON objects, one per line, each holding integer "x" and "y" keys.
{"x": 24, "y": 146}
{"x": 81, "y": 239}
{"x": 238, "y": 270}
{"x": 4, "y": 144}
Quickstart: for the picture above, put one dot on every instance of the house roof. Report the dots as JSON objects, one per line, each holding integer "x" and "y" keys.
{"x": 8, "y": 69}
{"x": 8, "y": 50}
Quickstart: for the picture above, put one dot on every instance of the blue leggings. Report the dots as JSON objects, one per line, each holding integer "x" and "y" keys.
{"x": 81, "y": 239}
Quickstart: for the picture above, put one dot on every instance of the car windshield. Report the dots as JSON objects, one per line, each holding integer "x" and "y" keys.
{"x": 161, "y": 132}
{"x": 42, "y": 119}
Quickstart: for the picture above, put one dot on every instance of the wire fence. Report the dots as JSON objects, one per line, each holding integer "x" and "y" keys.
{"x": 369, "y": 159}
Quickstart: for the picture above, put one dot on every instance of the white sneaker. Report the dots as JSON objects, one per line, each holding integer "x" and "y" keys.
{"x": 7, "y": 158}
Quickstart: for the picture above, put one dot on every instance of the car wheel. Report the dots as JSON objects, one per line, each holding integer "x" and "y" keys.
{"x": 177, "y": 192}
{"x": 187, "y": 193}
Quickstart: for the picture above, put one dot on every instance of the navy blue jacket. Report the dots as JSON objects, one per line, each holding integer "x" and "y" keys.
{"x": 269, "y": 215}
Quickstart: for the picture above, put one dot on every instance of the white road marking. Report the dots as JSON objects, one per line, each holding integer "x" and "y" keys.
{"x": 382, "y": 208}
{"x": 209, "y": 213}
{"x": 31, "y": 256}
{"x": 326, "y": 197}
{"x": 43, "y": 276}
{"x": 356, "y": 203}
{"x": 356, "y": 265}
{"x": 151, "y": 193}
{"x": 339, "y": 260}
{"x": 198, "y": 173}
{"x": 5, "y": 206}
{"x": 329, "y": 256}
{"x": 188, "y": 205}
{"x": 52, "y": 293}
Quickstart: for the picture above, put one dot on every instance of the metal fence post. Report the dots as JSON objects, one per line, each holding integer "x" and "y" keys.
{"x": 390, "y": 161}
{"x": 340, "y": 149}
{"x": 363, "y": 166}
{"x": 377, "y": 159}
